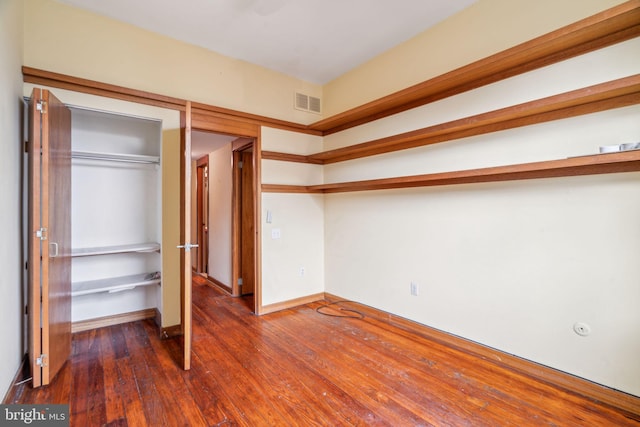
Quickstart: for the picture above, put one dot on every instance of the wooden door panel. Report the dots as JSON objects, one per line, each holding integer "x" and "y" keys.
{"x": 185, "y": 233}
{"x": 247, "y": 225}
{"x": 35, "y": 222}
{"x": 57, "y": 304}
{"x": 49, "y": 236}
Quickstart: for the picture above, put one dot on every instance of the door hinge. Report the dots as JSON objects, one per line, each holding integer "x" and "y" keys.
{"x": 41, "y": 106}
{"x": 240, "y": 281}
{"x": 42, "y": 360}
{"x": 26, "y": 146}
{"x": 240, "y": 164}
{"x": 41, "y": 233}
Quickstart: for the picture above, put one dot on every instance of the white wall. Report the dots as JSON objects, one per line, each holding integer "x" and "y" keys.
{"x": 11, "y": 319}
{"x": 293, "y": 264}
{"x": 511, "y": 265}
{"x": 220, "y": 214}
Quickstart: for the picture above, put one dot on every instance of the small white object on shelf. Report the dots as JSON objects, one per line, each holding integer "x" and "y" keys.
{"x": 115, "y": 284}
{"x": 621, "y": 147}
{"x": 630, "y": 146}
{"x": 609, "y": 149}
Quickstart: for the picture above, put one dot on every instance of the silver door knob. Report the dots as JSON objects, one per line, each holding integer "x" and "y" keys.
{"x": 187, "y": 247}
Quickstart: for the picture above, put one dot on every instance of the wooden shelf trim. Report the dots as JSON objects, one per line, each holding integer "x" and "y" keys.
{"x": 204, "y": 110}
{"x": 92, "y": 87}
{"x": 606, "y": 28}
{"x": 604, "y": 96}
{"x": 627, "y": 161}
{"x": 287, "y": 157}
{"x": 285, "y": 188}
{"x": 118, "y": 249}
{"x": 111, "y": 285}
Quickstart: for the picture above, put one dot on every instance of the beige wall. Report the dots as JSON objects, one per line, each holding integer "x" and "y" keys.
{"x": 485, "y": 28}
{"x": 71, "y": 41}
{"x": 299, "y": 219}
{"x": 11, "y": 319}
{"x": 220, "y": 213}
{"x": 511, "y": 265}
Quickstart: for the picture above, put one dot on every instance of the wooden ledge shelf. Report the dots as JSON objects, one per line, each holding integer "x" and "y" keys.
{"x": 604, "y": 29}
{"x": 628, "y": 161}
{"x": 115, "y": 284}
{"x": 604, "y": 96}
{"x": 119, "y": 249}
{"x": 287, "y": 157}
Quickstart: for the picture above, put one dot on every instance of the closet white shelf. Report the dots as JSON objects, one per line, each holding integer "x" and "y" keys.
{"x": 115, "y": 157}
{"x": 119, "y": 249}
{"x": 114, "y": 284}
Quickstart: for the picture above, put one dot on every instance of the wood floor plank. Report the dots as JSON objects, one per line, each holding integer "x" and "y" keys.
{"x": 114, "y": 405}
{"x": 157, "y": 397}
{"x": 96, "y": 402}
{"x": 177, "y": 394}
{"x": 417, "y": 362}
{"x": 80, "y": 373}
{"x": 298, "y": 367}
{"x": 272, "y": 365}
{"x": 494, "y": 379}
{"x": 244, "y": 390}
{"x": 355, "y": 378}
{"x": 341, "y": 408}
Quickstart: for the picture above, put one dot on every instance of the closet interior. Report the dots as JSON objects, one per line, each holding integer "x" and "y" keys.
{"x": 116, "y": 222}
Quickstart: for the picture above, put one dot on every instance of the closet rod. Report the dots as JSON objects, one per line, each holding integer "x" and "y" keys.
{"x": 115, "y": 157}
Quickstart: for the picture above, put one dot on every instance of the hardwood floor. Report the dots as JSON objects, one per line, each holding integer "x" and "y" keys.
{"x": 298, "y": 368}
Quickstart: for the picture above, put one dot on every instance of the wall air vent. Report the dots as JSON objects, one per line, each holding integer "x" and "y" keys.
{"x": 307, "y": 103}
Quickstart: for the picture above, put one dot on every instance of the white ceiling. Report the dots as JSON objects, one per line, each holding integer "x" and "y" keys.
{"x": 207, "y": 142}
{"x": 313, "y": 40}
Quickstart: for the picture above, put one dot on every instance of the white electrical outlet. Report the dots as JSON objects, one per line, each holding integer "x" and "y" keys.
{"x": 275, "y": 233}
{"x": 301, "y": 272}
{"x": 414, "y": 289}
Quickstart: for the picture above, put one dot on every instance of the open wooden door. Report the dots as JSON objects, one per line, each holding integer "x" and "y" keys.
{"x": 185, "y": 235}
{"x": 49, "y": 263}
{"x": 247, "y": 223}
{"x": 202, "y": 215}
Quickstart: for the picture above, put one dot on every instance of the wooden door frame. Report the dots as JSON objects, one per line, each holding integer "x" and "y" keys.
{"x": 248, "y": 133}
{"x": 203, "y": 241}
{"x": 239, "y": 146}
